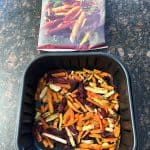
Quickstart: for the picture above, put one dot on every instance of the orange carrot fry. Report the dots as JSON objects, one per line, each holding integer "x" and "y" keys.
{"x": 68, "y": 116}
{"x": 60, "y": 74}
{"x": 72, "y": 13}
{"x": 76, "y": 105}
{"x": 117, "y": 131}
{"x": 91, "y": 146}
{"x": 71, "y": 122}
{"x": 95, "y": 131}
{"x": 93, "y": 102}
{"x": 108, "y": 87}
{"x": 73, "y": 107}
{"x": 82, "y": 107}
{"x": 61, "y": 8}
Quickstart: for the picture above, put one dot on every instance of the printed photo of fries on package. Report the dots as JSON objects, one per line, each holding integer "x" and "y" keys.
{"x": 72, "y": 25}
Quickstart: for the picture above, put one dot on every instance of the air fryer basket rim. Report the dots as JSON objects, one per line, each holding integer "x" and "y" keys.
{"x": 62, "y": 54}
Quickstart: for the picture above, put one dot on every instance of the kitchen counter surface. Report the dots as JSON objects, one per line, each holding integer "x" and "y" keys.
{"x": 127, "y": 30}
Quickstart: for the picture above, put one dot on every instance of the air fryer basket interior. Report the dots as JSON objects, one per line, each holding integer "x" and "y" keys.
{"x": 73, "y": 61}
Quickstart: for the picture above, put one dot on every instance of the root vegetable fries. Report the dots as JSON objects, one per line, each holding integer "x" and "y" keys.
{"x": 77, "y": 26}
{"x": 81, "y": 115}
{"x": 61, "y": 8}
{"x": 72, "y": 13}
{"x": 108, "y": 87}
{"x": 73, "y": 107}
{"x": 82, "y": 107}
{"x": 51, "y": 24}
{"x": 50, "y": 102}
{"x": 93, "y": 95}
{"x": 117, "y": 131}
{"x": 88, "y": 141}
{"x": 85, "y": 38}
{"x": 68, "y": 116}
{"x": 91, "y": 146}
{"x": 43, "y": 92}
{"x": 60, "y": 27}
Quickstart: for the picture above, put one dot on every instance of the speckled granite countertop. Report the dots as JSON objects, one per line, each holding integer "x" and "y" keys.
{"x": 127, "y": 31}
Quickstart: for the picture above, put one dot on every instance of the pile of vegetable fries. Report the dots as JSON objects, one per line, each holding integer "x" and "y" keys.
{"x": 77, "y": 110}
{"x": 74, "y": 20}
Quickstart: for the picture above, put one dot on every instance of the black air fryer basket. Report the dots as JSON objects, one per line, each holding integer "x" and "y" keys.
{"x": 74, "y": 61}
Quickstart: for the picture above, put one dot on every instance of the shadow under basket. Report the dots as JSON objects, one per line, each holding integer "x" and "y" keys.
{"x": 74, "y": 61}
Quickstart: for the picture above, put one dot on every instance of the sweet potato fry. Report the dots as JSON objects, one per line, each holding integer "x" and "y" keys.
{"x": 82, "y": 107}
